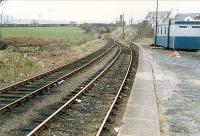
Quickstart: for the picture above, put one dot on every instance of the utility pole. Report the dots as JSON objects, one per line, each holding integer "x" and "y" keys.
{"x": 123, "y": 25}
{"x": 156, "y": 30}
{"x": 131, "y": 21}
{"x": 1, "y": 44}
{"x": 49, "y": 16}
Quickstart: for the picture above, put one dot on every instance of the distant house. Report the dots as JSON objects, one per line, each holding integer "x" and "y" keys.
{"x": 188, "y": 17}
{"x": 163, "y": 16}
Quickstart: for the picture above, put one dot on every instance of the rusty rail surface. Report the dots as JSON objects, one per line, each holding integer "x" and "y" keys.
{"x": 116, "y": 97}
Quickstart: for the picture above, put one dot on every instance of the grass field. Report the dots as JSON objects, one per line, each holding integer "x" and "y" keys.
{"x": 57, "y": 33}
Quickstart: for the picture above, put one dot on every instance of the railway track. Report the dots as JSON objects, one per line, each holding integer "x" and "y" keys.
{"x": 114, "y": 116}
{"x": 87, "y": 108}
{"x": 21, "y": 92}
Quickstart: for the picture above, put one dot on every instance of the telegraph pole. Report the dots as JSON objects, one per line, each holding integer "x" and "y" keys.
{"x": 123, "y": 25}
{"x": 49, "y": 16}
{"x": 1, "y": 44}
{"x": 131, "y": 21}
{"x": 156, "y": 30}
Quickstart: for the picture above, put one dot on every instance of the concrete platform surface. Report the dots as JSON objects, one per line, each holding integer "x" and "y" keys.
{"x": 141, "y": 115}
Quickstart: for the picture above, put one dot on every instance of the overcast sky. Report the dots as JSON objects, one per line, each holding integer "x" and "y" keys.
{"x": 92, "y": 10}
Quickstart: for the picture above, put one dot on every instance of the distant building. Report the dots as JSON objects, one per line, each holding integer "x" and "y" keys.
{"x": 6, "y": 19}
{"x": 163, "y": 16}
{"x": 187, "y": 17}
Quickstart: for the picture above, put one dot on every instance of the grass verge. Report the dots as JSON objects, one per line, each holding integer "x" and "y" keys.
{"x": 14, "y": 65}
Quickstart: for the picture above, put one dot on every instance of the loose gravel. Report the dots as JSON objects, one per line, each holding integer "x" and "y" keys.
{"x": 177, "y": 82}
{"x": 84, "y": 118}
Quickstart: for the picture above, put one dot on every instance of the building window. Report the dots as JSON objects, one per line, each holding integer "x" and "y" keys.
{"x": 195, "y": 26}
{"x": 161, "y": 31}
{"x": 182, "y": 26}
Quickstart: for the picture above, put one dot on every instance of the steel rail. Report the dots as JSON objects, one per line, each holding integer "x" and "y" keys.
{"x": 62, "y": 108}
{"x": 7, "y": 88}
{"x": 26, "y": 97}
{"x": 117, "y": 96}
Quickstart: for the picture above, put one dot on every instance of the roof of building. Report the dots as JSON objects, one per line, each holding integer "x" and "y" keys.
{"x": 161, "y": 14}
{"x": 182, "y": 16}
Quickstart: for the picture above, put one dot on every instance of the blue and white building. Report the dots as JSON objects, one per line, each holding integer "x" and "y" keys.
{"x": 183, "y": 35}
{"x": 187, "y": 17}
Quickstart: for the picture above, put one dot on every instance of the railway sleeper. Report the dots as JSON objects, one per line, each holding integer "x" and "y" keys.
{"x": 67, "y": 98}
{"x": 86, "y": 82}
{"x": 39, "y": 84}
{"x": 25, "y": 89}
{"x": 6, "y": 100}
{"x": 26, "y": 129}
{"x": 51, "y": 77}
{"x": 53, "y": 108}
{"x": 11, "y": 96}
{"x": 42, "y": 82}
{"x": 45, "y": 114}
{"x": 71, "y": 95}
{"x": 75, "y": 91}
{"x": 61, "y": 103}
{"x": 46, "y": 82}
{"x": 33, "y": 86}
{"x": 38, "y": 119}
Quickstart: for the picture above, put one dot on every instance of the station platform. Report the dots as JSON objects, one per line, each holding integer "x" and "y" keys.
{"x": 141, "y": 115}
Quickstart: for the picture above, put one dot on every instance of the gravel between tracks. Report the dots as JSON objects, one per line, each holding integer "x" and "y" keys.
{"x": 84, "y": 118}
{"x": 10, "y": 122}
